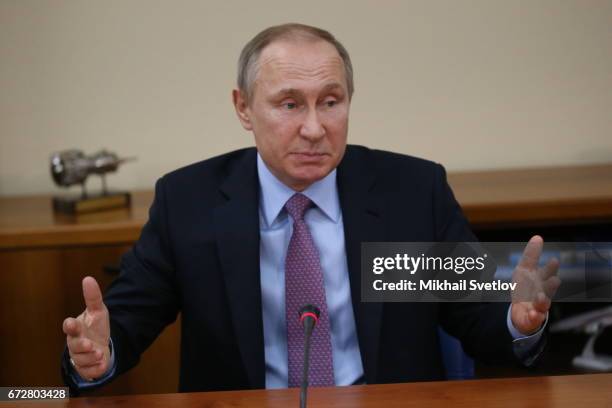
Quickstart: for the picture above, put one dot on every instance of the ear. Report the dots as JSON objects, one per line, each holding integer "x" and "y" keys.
{"x": 242, "y": 109}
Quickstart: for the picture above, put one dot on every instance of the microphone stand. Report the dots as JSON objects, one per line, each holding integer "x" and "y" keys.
{"x": 304, "y": 388}
{"x": 309, "y": 315}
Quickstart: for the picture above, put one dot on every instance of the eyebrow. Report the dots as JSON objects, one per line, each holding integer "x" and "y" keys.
{"x": 296, "y": 92}
{"x": 288, "y": 92}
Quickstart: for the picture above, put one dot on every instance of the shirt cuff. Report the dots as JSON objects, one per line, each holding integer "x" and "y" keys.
{"x": 526, "y": 348}
{"x": 84, "y": 384}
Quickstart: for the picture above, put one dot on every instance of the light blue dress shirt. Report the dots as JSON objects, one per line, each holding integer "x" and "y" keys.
{"x": 327, "y": 230}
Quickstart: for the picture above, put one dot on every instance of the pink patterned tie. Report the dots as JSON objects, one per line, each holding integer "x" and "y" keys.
{"x": 304, "y": 285}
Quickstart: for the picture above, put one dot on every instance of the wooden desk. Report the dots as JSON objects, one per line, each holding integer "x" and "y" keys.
{"x": 592, "y": 391}
{"x": 43, "y": 258}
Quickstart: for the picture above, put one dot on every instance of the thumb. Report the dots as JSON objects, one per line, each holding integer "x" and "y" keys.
{"x": 92, "y": 294}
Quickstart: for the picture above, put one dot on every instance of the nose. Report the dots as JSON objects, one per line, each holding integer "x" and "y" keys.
{"x": 312, "y": 128}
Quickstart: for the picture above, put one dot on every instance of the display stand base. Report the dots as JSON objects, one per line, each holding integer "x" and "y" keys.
{"x": 92, "y": 203}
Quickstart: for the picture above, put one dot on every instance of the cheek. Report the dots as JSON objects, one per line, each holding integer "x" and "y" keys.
{"x": 336, "y": 123}
{"x": 284, "y": 124}
{"x": 276, "y": 132}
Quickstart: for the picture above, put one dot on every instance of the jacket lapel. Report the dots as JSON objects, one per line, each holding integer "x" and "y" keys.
{"x": 362, "y": 223}
{"x": 236, "y": 226}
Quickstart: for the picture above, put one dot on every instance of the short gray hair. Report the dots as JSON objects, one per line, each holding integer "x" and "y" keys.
{"x": 247, "y": 63}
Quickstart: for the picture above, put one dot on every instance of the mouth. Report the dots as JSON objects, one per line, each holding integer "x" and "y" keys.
{"x": 309, "y": 157}
{"x": 309, "y": 154}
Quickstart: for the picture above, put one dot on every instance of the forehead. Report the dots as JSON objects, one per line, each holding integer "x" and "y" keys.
{"x": 299, "y": 64}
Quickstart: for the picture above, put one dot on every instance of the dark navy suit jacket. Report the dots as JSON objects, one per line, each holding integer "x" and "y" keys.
{"x": 199, "y": 255}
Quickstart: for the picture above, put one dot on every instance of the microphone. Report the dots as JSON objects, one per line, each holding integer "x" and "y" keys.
{"x": 309, "y": 316}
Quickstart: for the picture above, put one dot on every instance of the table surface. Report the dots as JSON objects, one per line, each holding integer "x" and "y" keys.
{"x": 489, "y": 198}
{"x": 588, "y": 391}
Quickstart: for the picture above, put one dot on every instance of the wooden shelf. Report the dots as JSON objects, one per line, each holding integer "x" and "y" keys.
{"x": 553, "y": 195}
{"x": 29, "y": 222}
{"x": 577, "y": 194}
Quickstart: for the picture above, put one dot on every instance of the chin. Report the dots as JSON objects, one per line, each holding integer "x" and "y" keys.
{"x": 310, "y": 176}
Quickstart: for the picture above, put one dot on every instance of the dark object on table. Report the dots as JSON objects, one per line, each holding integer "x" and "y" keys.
{"x": 72, "y": 167}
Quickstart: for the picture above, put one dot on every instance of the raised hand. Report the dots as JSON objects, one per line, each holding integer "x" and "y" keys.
{"x": 88, "y": 335}
{"x": 535, "y": 288}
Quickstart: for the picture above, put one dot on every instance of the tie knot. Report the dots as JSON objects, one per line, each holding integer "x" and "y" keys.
{"x": 297, "y": 205}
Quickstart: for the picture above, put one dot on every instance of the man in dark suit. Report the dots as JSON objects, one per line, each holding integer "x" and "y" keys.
{"x": 224, "y": 245}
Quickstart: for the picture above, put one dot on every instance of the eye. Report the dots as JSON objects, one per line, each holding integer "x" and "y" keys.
{"x": 290, "y": 105}
{"x": 330, "y": 103}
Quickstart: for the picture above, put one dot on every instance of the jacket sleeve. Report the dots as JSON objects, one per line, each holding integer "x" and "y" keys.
{"x": 481, "y": 327}
{"x": 144, "y": 299}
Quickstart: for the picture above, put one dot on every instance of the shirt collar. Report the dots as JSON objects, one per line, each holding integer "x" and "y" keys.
{"x": 274, "y": 194}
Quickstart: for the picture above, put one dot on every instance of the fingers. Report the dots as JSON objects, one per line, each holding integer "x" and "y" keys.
{"x": 92, "y": 294}
{"x": 531, "y": 254}
{"x": 72, "y": 327}
{"x": 85, "y": 334}
{"x": 551, "y": 285}
{"x": 79, "y": 344}
{"x": 541, "y": 303}
{"x": 89, "y": 360}
{"x": 550, "y": 269}
{"x": 86, "y": 360}
{"x": 526, "y": 319}
{"x": 75, "y": 341}
{"x": 536, "y": 318}
{"x": 538, "y": 310}
{"x": 93, "y": 371}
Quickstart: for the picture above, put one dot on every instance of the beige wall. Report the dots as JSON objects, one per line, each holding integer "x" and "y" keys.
{"x": 472, "y": 84}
